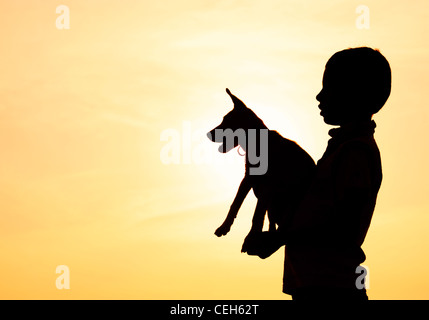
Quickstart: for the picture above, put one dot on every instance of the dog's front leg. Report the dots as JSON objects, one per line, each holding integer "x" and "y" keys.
{"x": 242, "y": 192}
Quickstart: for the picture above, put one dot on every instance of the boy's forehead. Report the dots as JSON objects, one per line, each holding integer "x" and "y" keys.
{"x": 335, "y": 73}
{"x": 334, "y": 67}
{"x": 329, "y": 73}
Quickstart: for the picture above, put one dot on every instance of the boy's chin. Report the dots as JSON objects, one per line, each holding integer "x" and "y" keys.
{"x": 332, "y": 122}
{"x": 328, "y": 119}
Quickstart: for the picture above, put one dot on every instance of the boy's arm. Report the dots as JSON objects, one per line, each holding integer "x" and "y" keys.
{"x": 354, "y": 186}
{"x": 353, "y": 181}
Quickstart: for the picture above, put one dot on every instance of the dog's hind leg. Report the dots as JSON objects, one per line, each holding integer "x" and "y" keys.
{"x": 259, "y": 215}
{"x": 272, "y": 226}
{"x": 257, "y": 224}
{"x": 242, "y": 192}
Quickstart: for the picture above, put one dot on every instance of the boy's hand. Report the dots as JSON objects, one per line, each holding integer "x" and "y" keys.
{"x": 262, "y": 244}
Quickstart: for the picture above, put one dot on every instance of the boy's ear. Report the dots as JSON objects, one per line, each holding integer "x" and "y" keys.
{"x": 238, "y": 104}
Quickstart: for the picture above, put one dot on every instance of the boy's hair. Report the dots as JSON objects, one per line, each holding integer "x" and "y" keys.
{"x": 368, "y": 72}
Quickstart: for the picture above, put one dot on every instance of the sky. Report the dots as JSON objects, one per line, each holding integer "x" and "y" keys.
{"x": 106, "y": 168}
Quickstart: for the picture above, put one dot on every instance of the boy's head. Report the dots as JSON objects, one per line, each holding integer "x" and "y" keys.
{"x": 356, "y": 85}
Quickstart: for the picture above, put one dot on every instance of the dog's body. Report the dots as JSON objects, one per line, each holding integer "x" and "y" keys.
{"x": 283, "y": 185}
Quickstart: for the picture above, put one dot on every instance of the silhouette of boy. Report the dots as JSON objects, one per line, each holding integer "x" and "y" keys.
{"x": 323, "y": 244}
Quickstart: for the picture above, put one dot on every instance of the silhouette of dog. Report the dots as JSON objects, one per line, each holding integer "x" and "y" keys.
{"x": 283, "y": 184}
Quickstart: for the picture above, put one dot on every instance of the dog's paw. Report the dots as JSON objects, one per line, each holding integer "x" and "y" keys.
{"x": 222, "y": 230}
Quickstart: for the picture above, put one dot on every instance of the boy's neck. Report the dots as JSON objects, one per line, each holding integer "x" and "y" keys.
{"x": 356, "y": 121}
{"x": 355, "y": 128}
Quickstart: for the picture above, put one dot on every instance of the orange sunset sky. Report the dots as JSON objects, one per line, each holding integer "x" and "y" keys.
{"x": 83, "y": 178}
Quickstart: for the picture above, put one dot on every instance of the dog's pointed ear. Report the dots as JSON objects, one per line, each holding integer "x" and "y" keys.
{"x": 238, "y": 104}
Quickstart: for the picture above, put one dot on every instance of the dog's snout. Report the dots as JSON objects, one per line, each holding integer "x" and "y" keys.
{"x": 215, "y": 136}
{"x": 210, "y": 135}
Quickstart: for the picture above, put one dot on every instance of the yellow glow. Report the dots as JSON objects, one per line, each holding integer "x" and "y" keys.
{"x": 81, "y": 115}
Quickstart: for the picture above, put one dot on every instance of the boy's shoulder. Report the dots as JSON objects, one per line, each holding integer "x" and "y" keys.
{"x": 358, "y": 136}
{"x": 350, "y": 139}
{"x": 363, "y": 143}
{"x": 363, "y": 148}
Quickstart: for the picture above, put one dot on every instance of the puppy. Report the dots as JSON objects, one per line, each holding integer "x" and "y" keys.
{"x": 279, "y": 185}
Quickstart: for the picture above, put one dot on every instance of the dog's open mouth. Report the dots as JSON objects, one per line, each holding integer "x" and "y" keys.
{"x": 226, "y": 147}
{"x": 222, "y": 148}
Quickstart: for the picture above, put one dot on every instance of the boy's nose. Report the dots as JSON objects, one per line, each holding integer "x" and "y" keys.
{"x": 319, "y": 96}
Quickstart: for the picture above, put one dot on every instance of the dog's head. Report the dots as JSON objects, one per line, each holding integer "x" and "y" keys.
{"x": 233, "y": 129}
